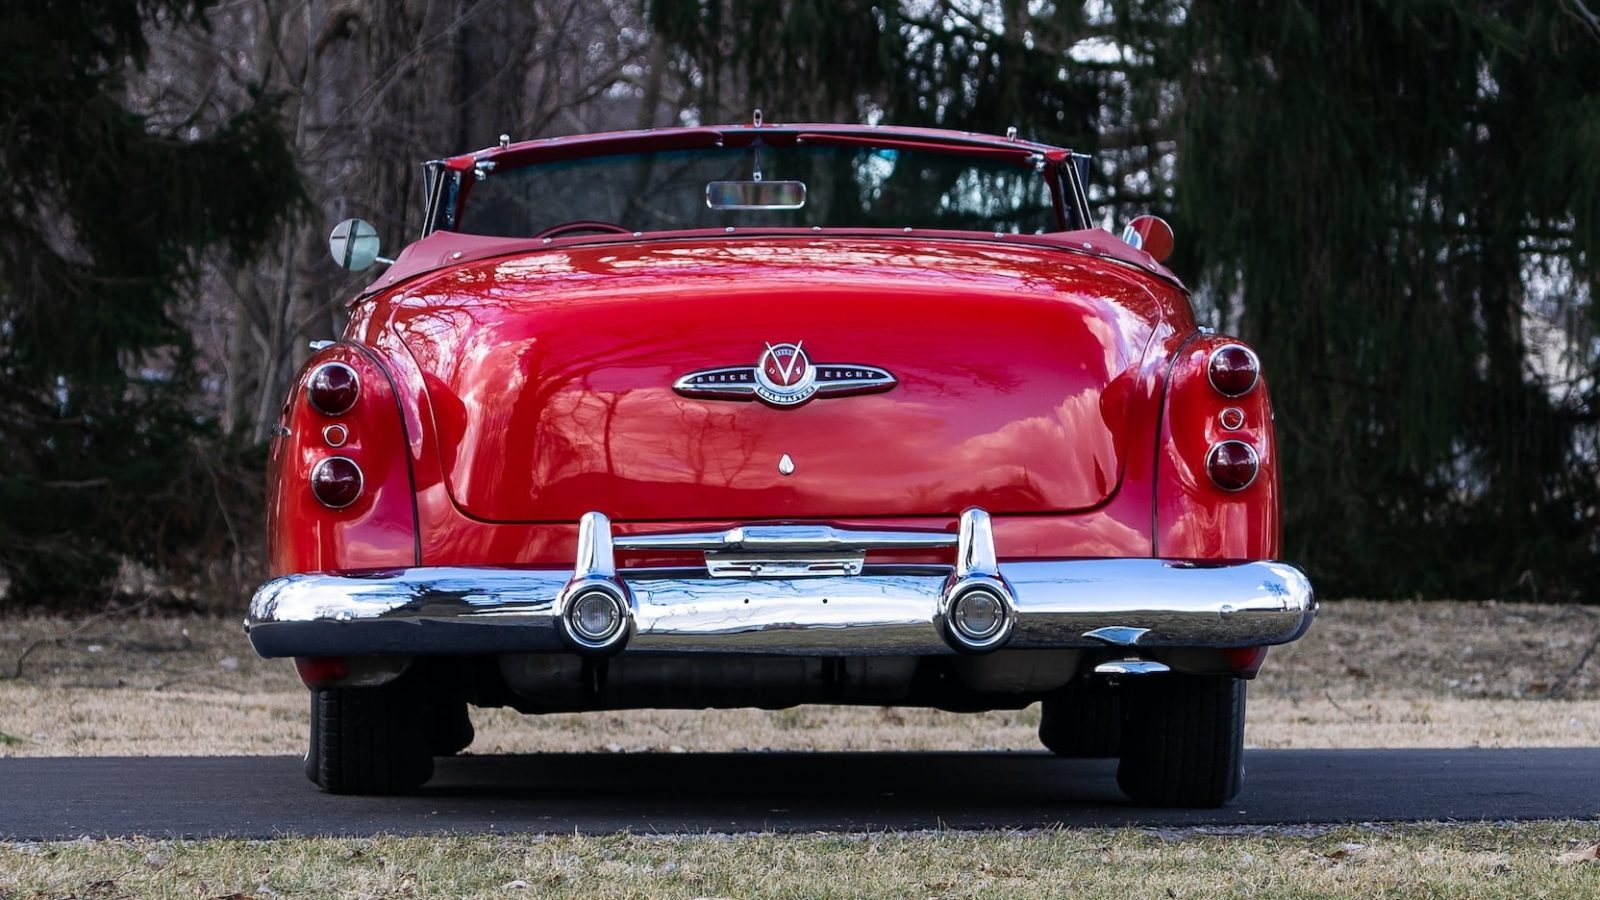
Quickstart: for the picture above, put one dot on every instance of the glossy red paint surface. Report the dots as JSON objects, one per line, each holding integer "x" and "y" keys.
{"x": 550, "y": 379}
{"x": 446, "y": 249}
{"x": 377, "y": 530}
{"x": 1195, "y": 519}
{"x": 1163, "y": 504}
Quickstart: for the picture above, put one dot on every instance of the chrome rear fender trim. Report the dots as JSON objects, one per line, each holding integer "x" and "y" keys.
{"x": 787, "y": 539}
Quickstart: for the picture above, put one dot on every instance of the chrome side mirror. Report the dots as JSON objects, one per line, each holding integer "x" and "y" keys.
{"x": 354, "y": 245}
{"x": 1151, "y": 234}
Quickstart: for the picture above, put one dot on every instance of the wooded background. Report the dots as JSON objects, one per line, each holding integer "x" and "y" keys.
{"x": 1397, "y": 201}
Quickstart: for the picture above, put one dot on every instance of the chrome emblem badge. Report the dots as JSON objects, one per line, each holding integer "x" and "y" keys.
{"x": 784, "y": 376}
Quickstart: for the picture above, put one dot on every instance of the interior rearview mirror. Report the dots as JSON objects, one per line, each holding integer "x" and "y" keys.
{"x": 354, "y": 245}
{"x": 756, "y": 194}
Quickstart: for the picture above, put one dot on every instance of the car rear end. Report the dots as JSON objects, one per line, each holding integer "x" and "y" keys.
{"x": 774, "y": 467}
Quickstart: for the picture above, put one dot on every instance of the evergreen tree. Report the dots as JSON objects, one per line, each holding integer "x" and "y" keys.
{"x": 1385, "y": 196}
{"x": 102, "y": 223}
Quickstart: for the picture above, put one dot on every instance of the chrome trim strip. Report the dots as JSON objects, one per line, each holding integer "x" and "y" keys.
{"x": 787, "y": 539}
{"x": 886, "y": 611}
{"x": 1132, "y": 667}
{"x": 769, "y": 565}
{"x": 1118, "y": 635}
{"x": 432, "y": 193}
{"x": 1076, "y": 178}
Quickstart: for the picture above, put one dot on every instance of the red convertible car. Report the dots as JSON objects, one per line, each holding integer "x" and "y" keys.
{"x": 768, "y": 415}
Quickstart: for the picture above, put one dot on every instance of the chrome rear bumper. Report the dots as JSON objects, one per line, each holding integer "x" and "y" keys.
{"x": 882, "y": 611}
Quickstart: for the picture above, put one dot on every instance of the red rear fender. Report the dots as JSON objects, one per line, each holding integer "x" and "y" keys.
{"x": 379, "y": 528}
{"x": 1196, "y": 519}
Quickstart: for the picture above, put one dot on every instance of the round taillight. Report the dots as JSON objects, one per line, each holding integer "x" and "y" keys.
{"x": 1232, "y": 465}
{"x": 336, "y": 482}
{"x": 1233, "y": 370}
{"x": 333, "y": 388}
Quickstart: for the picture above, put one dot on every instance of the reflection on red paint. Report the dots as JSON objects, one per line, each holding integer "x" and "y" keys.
{"x": 550, "y": 376}
{"x": 1033, "y": 382}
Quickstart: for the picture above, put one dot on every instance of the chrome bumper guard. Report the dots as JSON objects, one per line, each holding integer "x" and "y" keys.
{"x": 798, "y": 590}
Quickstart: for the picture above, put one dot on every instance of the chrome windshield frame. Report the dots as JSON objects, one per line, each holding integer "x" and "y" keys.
{"x": 446, "y": 191}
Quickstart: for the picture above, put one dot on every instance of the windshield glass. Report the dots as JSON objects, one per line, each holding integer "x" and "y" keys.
{"x": 792, "y": 187}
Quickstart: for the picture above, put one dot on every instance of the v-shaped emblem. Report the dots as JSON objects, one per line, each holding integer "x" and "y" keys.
{"x": 784, "y": 377}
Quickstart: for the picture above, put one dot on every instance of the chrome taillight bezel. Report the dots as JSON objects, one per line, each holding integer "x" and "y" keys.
{"x": 1255, "y": 364}
{"x": 361, "y": 482}
{"x": 311, "y": 388}
{"x": 1255, "y": 463}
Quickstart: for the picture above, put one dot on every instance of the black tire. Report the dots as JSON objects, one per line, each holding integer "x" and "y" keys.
{"x": 449, "y": 726}
{"x": 368, "y": 740}
{"x": 1082, "y": 720}
{"x": 1182, "y": 740}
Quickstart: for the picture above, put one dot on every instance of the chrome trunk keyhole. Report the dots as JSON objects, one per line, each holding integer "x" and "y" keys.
{"x": 785, "y": 465}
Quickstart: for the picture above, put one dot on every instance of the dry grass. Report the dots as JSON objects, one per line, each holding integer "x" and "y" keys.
{"x": 1368, "y": 674}
{"x": 1482, "y": 861}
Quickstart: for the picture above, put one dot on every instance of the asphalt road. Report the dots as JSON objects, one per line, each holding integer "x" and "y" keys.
{"x": 597, "y": 793}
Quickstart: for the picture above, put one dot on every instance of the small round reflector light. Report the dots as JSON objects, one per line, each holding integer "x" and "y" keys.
{"x": 1232, "y": 465}
{"x": 595, "y": 615}
{"x": 594, "y": 620}
{"x": 1233, "y": 370}
{"x": 978, "y": 615}
{"x": 333, "y": 388}
{"x": 336, "y": 482}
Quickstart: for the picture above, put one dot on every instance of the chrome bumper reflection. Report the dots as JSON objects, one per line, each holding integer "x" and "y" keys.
{"x": 884, "y": 611}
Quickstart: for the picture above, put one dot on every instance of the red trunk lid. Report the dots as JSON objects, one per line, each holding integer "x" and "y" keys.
{"x": 551, "y": 379}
